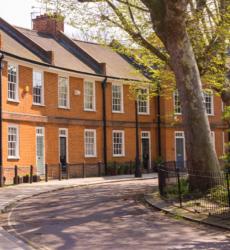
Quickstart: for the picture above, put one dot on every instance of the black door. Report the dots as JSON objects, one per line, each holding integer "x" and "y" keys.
{"x": 180, "y": 152}
{"x": 145, "y": 152}
{"x": 63, "y": 154}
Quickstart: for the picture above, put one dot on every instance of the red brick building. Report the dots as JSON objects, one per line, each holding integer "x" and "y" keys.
{"x": 54, "y": 109}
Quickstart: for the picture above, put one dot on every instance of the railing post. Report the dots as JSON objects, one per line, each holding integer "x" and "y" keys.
{"x": 130, "y": 167}
{"x": 60, "y": 172}
{"x": 15, "y": 174}
{"x": 1, "y": 177}
{"x": 228, "y": 188}
{"x": 67, "y": 171}
{"x": 46, "y": 172}
{"x": 99, "y": 168}
{"x": 115, "y": 168}
{"x": 179, "y": 186}
{"x": 83, "y": 169}
{"x": 31, "y": 173}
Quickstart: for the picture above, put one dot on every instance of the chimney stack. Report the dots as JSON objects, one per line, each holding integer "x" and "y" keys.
{"x": 49, "y": 24}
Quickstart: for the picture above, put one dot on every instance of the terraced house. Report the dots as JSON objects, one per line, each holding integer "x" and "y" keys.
{"x": 68, "y": 101}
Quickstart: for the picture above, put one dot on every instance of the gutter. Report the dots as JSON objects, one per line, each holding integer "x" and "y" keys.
{"x": 68, "y": 70}
{"x": 1, "y": 155}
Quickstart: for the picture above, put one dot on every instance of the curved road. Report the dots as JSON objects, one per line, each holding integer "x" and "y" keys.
{"x": 108, "y": 216}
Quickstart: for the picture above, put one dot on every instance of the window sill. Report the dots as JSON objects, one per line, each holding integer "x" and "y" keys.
{"x": 13, "y": 101}
{"x": 143, "y": 113}
{"x": 118, "y": 156}
{"x": 39, "y": 105}
{"x": 90, "y": 110}
{"x": 177, "y": 114}
{"x": 211, "y": 114}
{"x": 118, "y": 112}
{"x": 13, "y": 158}
{"x": 90, "y": 156}
{"x": 66, "y": 108}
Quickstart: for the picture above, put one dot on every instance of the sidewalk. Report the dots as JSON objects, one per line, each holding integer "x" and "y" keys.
{"x": 155, "y": 201}
{"x": 10, "y": 195}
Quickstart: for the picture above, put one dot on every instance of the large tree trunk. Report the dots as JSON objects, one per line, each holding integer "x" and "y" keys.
{"x": 171, "y": 28}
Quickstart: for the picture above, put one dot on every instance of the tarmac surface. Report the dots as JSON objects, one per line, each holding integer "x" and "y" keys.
{"x": 106, "y": 216}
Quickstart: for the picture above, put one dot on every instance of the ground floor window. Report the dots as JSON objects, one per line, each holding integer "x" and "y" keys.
{"x": 90, "y": 143}
{"x": 13, "y": 142}
{"x": 118, "y": 143}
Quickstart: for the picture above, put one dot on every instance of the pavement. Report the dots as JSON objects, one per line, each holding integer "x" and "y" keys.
{"x": 157, "y": 202}
{"x": 11, "y": 195}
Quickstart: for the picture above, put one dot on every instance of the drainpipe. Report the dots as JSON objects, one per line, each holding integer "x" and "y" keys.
{"x": 137, "y": 160}
{"x": 103, "y": 84}
{"x": 159, "y": 122}
{"x": 1, "y": 160}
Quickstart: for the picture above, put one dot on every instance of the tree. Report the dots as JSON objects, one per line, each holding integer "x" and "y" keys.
{"x": 185, "y": 36}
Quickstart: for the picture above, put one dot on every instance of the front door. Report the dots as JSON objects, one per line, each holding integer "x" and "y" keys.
{"x": 63, "y": 147}
{"x": 180, "y": 149}
{"x": 145, "y": 139}
{"x": 40, "y": 158}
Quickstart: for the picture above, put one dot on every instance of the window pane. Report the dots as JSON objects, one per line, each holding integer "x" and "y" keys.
{"x": 63, "y": 92}
{"x": 177, "y": 104}
{"x": 90, "y": 143}
{"x": 143, "y": 103}
{"x": 12, "y": 141}
{"x": 89, "y": 96}
{"x": 12, "y": 82}
{"x": 118, "y": 144}
{"x": 37, "y": 87}
{"x": 208, "y": 103}
{"x": 116, "y": 98}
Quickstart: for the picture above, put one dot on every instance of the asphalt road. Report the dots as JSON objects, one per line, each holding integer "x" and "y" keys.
{"x": 108, "y": 216}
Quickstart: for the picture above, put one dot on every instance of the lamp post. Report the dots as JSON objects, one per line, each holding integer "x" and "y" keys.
{"x": 137, "y": 160}
{"x": 1, "y": 167}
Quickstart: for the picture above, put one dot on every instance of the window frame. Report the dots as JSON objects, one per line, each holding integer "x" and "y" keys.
{"x": 210, "y": 93}
{"x": 43, "y": 88}
{"x": 17, "y": 156}
{"x": 93, "y": 109}
{"x": 176, "y": 94}
{"x": 68, "y": 94}
{"x": 16, "y": 84}
{"x": 121, "y": 100}
{"x": 147, "y": 101}
{"x": 123, "y": 143}
{"x": 94, "y": 143}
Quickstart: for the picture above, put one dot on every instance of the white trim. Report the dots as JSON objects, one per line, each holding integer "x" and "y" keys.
{"x": 176, "y": 135}
{"x": 174, "y": 106}
{"x": 150, "y": 149}
{"x": 17, "y": 156}
{"x": 210, "y": 93}
{"x": 123, "y": 143}
{"x": 16, "y": 100}
{"x": 68, "y": 92}
{"x": 40, "y": 135}
{"x": 94, "y": 95}
{"x": 95, "y": 143}
{"x": 43, "y": 88}
{"x": 147, "y": 101}
{"x": 66, "y": 135}
{"x": 213, "y": 136}
{"x": 122, "y": 97}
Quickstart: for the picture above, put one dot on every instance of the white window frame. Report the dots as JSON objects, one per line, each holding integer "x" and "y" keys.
{"x": 94, "y": 145}
{"x": 123, "y": 143}
{"x": 94, "y": 95}
{"x": 66, "y": 135}
{"x": 16, "y": 157}
{"x": 68, "y": 95}
{"x": 176, "y": 95}
{"x": 147, "y": 103}
{"x": 180, "y": 134}
{"x": 147, "y": 135}
{"x": 210, "y": 93}
{"x": 42, "y": 90}
{"x": 122, "y": 98}
{"x": 16, "y": 84}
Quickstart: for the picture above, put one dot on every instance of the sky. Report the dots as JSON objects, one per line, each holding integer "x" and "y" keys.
{"x": 18, "y": 12}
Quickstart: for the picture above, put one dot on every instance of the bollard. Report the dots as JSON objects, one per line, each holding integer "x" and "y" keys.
{"x": 67, "y": 171}
{"x": 130, "y": 167}
{"x": 99, "y": 169}
{"x": 15, "y": 174}
{"x": 179, "y": 186}
{"x": 1, "y": 177}
{"x": 31, "y": 173}
{"x": 83, "y": 169}
{"x": 46, "y": 172}
{"x": 60, "y": 172}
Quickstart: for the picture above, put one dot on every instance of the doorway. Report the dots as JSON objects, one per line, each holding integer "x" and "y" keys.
{"x": 146, "y": 153}
{"x": 63, "y": 140}
{"x": 40, "y": 151}
{"x": 180, "y": 149}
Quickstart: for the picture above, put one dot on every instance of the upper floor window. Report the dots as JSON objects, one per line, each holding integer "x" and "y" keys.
{"x": 90, "y": 143}
{"x": 13, "y": 142}
{"x": 38, "y": 89}
{"x": 12, "y": 83}
{"x": 143, "y": 101}
{"x": 63, "y": 92}
{"x": 118, "y": 143}
{"x": 208, "y": 101}
{"x": 177, "y": 103}
{"x": 89, "y": 96}
{"x": 117, "y": 98}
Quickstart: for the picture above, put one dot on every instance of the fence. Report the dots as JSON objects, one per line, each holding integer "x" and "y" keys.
{"x": 195, "y": 191}
{"x": 28, "y": 174}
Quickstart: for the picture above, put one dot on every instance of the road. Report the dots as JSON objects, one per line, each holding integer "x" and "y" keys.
{"x": 105, "y": 217}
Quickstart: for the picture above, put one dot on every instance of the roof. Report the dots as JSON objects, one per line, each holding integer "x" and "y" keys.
{"x": 66, "y": 52}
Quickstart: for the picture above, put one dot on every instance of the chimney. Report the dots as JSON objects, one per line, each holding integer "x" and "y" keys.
{"x": 49, "y": 24}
